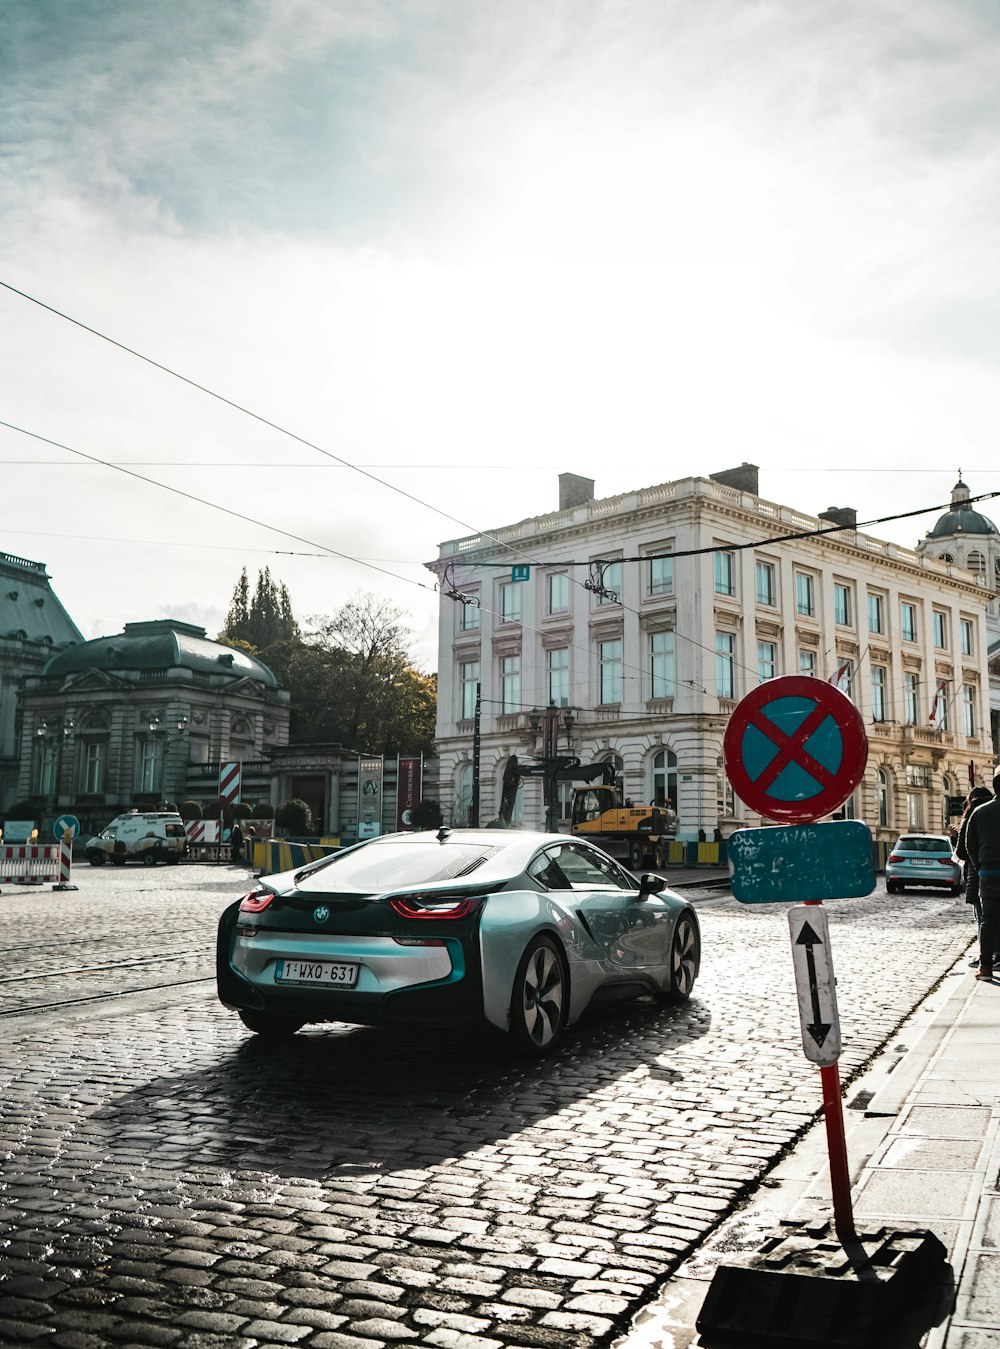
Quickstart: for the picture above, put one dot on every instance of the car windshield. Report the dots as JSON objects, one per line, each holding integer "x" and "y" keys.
{"x": 917, "y": 844}
{"x": 378, "y": 867}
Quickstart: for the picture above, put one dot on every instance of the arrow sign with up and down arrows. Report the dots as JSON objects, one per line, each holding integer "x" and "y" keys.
{"x": 815, "y": 984}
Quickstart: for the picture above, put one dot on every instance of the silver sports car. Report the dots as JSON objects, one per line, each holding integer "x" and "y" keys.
{"x": 516, "y": 930}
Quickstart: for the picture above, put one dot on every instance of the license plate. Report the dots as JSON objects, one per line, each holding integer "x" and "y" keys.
{"x": 332, "y": 973}
{"x": 920, "y": 862}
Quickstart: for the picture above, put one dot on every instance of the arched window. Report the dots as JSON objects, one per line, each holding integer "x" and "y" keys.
{"x": 882, "y": 799}
{"x": 948, "y": 789}
{"x": 976, "y": 561}
{"x": 462, "y": 805}
{"x": 945, "y": 557}
{"x": 664, "y": 786}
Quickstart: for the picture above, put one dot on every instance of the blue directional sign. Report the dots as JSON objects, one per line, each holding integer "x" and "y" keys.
{"x": 63, "y": 823}
{"x": 793, "y": 863}
{"x": 520, "y": 573}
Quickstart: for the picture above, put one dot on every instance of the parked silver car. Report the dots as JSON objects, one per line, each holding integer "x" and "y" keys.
{"x": 520, "y": 931}
{"x": 923, "y": 860}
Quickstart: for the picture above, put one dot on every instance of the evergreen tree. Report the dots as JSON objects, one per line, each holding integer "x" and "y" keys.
{"x": 263, "y": 619}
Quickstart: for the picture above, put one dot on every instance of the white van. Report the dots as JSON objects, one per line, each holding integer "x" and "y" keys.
{"x": 156, "y": 837}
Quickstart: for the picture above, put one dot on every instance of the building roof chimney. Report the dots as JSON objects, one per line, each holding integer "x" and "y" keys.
{"x": 845, "y": 516}
{"x": 744, "y": 478}
{"x": 574, "y": 491}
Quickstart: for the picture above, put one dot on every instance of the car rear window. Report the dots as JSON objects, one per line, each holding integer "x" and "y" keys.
{"x": 174, "y": 830}
{"x": 924, "y": 845}
{"x": 379, "y": 867}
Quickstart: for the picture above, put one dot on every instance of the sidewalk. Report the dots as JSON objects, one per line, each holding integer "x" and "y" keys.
{"x": 925, "y": 1154}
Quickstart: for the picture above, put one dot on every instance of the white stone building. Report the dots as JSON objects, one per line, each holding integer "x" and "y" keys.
{"x": 644, "y": 618}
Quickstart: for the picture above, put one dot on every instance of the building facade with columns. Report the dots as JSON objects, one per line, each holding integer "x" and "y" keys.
{"x": 642, "y": 619}
{"x": 127, "y": 720}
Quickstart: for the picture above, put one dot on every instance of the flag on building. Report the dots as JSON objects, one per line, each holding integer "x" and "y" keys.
{"x": 938, "y": 706}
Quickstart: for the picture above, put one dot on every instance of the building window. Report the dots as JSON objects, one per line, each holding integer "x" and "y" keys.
{"x": 911, "y": 684}
{"x": 725, "y": 665}
{"x": 807, "y": 662}
{"x": 510, "y": 684}
{"x": 558, "y": 593}
{"x": 661, "y": 575}
{"x": 969, "y": 709}
{"x": 665, "y": 779}
{"x": 149, "y": 762}
{"x": 461, "y": 810}
{"x": 805, "y": 595}
{"x": 611, "y": 580}
{"x": 965, "y": 628}
{"x": 939, "y": 707}
{"x": 470, "y": 686}
{"x": 976, "y": 562}
{"x": 882, "y": 797}
{"x": 844, "y": 678}
{"x": 767, "y": 661}
{"x": 611, "y": 671}
{"x": 663, "y": 668}
{"x": 914, "y": 811}
{"x": 940, "y": 630}
{"x": 469, "y": 618}
{"x": 765, "y": 583}
{"x": 510, "y": 602}
{"x": 725, "y": 574}
{"x": 842, "y": 607}
{"x": 93, "y": 766}
{"x": 559, "y": 676}
{"x": 43, "y": 773}
{"x": 908, "y": 621}
{"x": 876, "y": 613}
{"x": 878, "y": 692}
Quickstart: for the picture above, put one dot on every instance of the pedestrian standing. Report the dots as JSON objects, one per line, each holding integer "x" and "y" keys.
{"x": 977, "y": 797}
{"x": 236, "y": 843}
{"x": 983, "y": 843}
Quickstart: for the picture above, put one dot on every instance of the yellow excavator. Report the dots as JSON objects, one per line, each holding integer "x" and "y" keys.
{"x": 637, "y": 835}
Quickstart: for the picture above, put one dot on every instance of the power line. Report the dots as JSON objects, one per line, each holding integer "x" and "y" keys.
{"x": 214, "y": 505}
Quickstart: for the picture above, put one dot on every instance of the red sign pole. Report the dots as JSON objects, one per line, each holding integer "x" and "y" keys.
{"x": 836, "y": 1143}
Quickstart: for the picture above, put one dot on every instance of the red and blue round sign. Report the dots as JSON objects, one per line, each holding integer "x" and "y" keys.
{"x": 795, "y": 748}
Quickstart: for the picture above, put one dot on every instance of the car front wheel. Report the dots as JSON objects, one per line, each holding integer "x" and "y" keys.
{"x": 270, "y": 1023}
{"x": 685, "y": 952}
{"x": 539, "y": 1001}
{"x": 96, "y": 859}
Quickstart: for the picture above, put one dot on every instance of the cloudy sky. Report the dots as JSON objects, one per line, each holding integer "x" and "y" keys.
{"x": 465, "y": 247}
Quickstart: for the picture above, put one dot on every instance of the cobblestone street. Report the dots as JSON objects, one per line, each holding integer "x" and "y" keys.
{"x": 170, "y": 1180}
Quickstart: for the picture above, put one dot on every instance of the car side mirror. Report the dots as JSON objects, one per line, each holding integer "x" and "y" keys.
{"x": 649, "y": 884}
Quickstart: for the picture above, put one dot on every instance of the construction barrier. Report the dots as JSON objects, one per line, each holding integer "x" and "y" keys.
{"x": 273, "y": 855}
{"x": 66, "y": 866}
{"x": 29, "y": 863}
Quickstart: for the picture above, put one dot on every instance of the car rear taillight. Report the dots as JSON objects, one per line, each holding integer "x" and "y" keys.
{"x": 947, "y": 861}
{"x": 895, "y": 857}
{"x": 436, "y": 906}
{"x": 256, "y": 901}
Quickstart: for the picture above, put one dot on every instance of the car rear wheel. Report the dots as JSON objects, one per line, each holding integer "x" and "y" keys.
{"x": 891, "y": 887}
{"x": 658, "y": 856}
{"x": 636, "y": 853}
{"x": 96, "y": 859}
{"x": 271, "y": 1024}
{"x": 539, "y": 1000}
{"x": 149, "y": 858}
{"x": 685, "y": 955}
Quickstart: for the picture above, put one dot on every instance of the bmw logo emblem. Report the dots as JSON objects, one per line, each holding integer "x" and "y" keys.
{"x": 321, "y": 914}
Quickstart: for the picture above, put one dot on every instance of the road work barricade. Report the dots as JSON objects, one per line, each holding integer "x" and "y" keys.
{"x": 36, "y": 863}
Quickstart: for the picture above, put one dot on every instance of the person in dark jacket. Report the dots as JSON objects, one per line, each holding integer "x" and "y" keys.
{"x": 977, "y": 797}
{"x": 236, "y": 844}
{"x": 982, "y": 841}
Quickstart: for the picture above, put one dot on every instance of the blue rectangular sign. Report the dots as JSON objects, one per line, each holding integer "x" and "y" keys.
{"x": 520, "y": 573}
{"x": 789, "y": 864}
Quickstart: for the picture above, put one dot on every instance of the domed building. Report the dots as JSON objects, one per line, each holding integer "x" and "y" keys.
{"x": 964, "y": 537}
{"x": 143, "y": 717}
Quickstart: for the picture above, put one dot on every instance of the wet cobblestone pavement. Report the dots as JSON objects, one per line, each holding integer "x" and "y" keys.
{"x": 170, "y": 1180}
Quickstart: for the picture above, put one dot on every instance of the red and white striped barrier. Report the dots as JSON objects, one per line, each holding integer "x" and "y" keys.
{"x": 201, "y": 831}
{"x": 65, "y": 866}
{"x": 29, "y": 863}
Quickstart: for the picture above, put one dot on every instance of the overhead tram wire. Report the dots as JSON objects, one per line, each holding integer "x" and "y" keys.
{"x": 214, "y": 505}
{"x": 329, "y": 454}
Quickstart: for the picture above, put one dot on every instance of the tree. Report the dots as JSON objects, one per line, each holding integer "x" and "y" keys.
{"x": 264, "y": 619}
{"x": 294, "y": 816}
{"x": 190, "y": 810}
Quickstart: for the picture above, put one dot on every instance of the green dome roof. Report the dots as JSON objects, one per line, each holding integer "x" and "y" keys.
{"x": 961, "y": 519}
{"x": 163, "y": 644}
